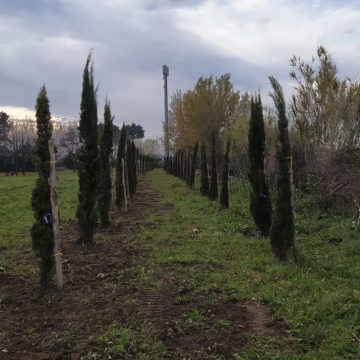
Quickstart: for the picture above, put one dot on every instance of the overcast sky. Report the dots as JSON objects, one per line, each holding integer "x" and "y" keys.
{"x": 47, "y": 41}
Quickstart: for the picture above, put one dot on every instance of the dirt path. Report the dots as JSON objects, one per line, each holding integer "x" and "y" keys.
{"x": 105, "y": 288}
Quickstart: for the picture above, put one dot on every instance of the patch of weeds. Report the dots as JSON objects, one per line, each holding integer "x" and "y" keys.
{"x": 182, "y": 299}
{"x": 222, "y": 323}
{"x": 194, "y": 318}
{"x": 129, "y": 343}
{"x": 118, "y": 341}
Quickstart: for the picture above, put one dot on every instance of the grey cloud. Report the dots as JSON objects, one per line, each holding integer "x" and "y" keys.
{"x": 17, "y": 7}
{"x": 160, "y": 4}
{"x": 129, "y": 50}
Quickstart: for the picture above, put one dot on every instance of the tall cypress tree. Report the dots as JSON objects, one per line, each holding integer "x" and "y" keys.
{"x": 41, "y": 231}
{"x": 88, "y": 157}
{"x": 106, "y": 142}
{"x": 193, "y": 166}
{"x": 224, "y": 196}
{"x": 282, "y": 232}
{"x": 213, "y": 188}
{"x": 260, "y": 203}
{"x": 119, "y": 189}
{"x": 204, "y": 187}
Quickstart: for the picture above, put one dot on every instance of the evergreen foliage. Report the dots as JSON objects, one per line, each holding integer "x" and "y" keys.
{"x": 282, "y": 232}
{"x": 106, "y": 141}
{"x": 134, "y": 131}
{"x": 224, "y": 196}
{"x": 88, "y": 157}
{"x": 119, "y": 190}
{"x": 193, "y": 166}
{"x": 204, "y": 187}
{"x": 135, "y": 159}
{"x": 213, "y": 188}
{"x": 260, "y": 203}
{"x": 41, "y": 231}
{"x": 131, "y": 166}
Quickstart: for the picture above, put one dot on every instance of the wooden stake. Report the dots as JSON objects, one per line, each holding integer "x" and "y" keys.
{"x": 55, "y": 217}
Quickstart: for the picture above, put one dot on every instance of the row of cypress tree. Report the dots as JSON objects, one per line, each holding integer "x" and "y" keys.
{"x": 278, "y": 224}
{"x": 130, "y": 163}
{"x": 183, "y": 164}
{"x": 94, "y": 171}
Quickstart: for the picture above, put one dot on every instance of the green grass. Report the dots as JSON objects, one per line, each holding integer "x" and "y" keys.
{"x": 16, "y": 215}
{"x": 319, "y": 299}
{"x": 208, "y": 250}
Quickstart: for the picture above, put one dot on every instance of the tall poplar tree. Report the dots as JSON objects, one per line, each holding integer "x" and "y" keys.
{"x": 224, "y": 196}
{"x": 88, "y": 157}
{"x": 204, "y": 187}
{"x": 106, "y": 142}
{"x": 282, "y": 232}
{"x": 213, "y": 188}
{"x": 41, "y": 231}
{"x": 119, "y": 189}
{"x": 260, "y": 203}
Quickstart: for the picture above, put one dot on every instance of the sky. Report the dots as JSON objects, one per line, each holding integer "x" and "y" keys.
{"x": 47, "y": 41}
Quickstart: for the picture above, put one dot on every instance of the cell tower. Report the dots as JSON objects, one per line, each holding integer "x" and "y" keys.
{"x": 166, "y": 128}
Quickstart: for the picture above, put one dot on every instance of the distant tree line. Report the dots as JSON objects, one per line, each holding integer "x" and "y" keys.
{"x": 18, "y": 138}
{"x": 312, "y": 145}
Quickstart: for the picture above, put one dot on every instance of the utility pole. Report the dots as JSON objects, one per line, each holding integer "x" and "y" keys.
{"x": 166, "y": 135}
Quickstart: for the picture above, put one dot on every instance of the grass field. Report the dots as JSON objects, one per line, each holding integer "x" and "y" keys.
{"x": 16, "y": 216}
{"x": 319, "y": 300}
{"x": 214, "y": 254}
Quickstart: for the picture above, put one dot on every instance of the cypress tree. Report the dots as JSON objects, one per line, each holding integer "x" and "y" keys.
{"x": 213, "y": 188}
{"x": 282, "y": 232}
{"x": 88, "y": 157}
{"x": 134, "y": 158}
{"x": 224, "y": 196}
{"x": 193, "y": 166}
{"x": 105, "y": 167}
{"x": 204, "y": 187}
{"x": 41, "y": 231}
{"x": 130, "y": 159}
{"x": 260, "y": 203}
{"x": 119, "y": 189}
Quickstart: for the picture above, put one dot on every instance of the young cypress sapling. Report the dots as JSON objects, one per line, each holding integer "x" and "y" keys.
{"x": 131, "y": 168}
{"x": 260, "y": 204}
{"x": 134, "y": 159}
{"x": 106, "y": 141}
{"x": 282, "y": 232}
{"x": 119, "y": 188}
{"x": 88, "y": 157}
{"x": 41, "y": 231}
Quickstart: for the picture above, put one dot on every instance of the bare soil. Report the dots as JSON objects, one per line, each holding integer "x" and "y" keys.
{"x": 100, "y": 279}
